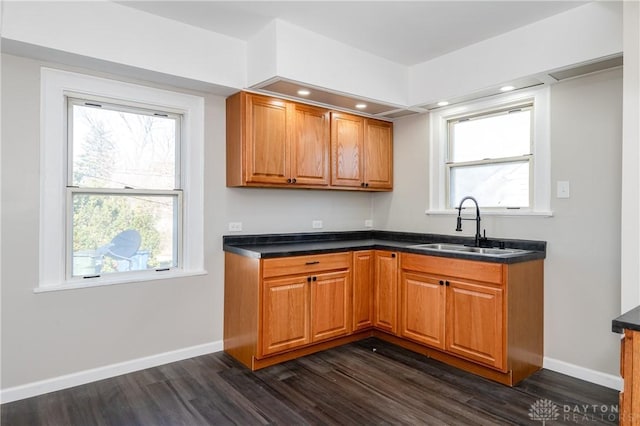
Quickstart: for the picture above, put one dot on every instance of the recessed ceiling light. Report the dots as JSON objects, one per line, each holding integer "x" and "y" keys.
{"x": 506, "y": 88}
{"x": 361, "y": 106}
{"x": 443, "y": 103}
{"x": 304, "y": 92}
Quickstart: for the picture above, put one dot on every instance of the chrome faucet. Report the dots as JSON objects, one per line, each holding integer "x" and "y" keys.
{"x": 477, "y": 219}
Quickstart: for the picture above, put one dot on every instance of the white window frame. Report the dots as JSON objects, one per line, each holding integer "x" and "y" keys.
{"x": 56, "y": 85}
{"x": 540, "y": 163}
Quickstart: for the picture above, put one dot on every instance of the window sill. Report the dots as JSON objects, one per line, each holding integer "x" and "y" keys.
{"x": 505, "y": 213}
{"x": 130, "y": 278}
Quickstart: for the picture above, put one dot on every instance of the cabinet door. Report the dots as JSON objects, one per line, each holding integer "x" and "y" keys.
{"x": 310, "y": 145}
{"x": 422, "y": 310}
{"x": 347, "y": 144}
{"x": 378, "y": 154}
{"x": 330, "y": 300}
{"x": 386, "y": 291}
{"x": 475, "y": 326}
{"x": 363, "y": 273}
{"x": 285, "y": 314}
{"x": 267, "y": 155}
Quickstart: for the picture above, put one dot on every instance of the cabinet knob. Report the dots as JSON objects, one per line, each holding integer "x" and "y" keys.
{"x": 393, "y": 255}
{"x": 314, "y": 278}
{"x": 446, "y": 283}
{"x": 441, "y": 282}
{"x": 288, "y": 180}
{"x": 294, "y": 180}
{"x": 308, "y": 279}
{"x": 362, "y": 184}
{"x": 366, "y": 185}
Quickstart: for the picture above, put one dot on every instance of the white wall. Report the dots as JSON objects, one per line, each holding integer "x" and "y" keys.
{"x": 47, "y": 335}
{"x": 158, "y": 47}
{"x": 630, "y": 159}
{"x": 302, "y": 55}
{"x": 109, "y": 32}
{"x": 578, "y": 35}
{"x": 582, "y": 269}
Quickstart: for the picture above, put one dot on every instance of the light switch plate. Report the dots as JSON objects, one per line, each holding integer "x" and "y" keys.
{"x": 316, "y": 224}
{"x": 368, "y": 223}
{"x": 563, "y": 189}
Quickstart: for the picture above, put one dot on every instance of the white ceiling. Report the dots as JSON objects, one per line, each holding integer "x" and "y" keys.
{"x": 404, "y": 32}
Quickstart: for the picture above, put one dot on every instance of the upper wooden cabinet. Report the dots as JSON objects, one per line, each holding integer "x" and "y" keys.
{"x": 378, "y": 154}
{"x": 310, "y": 145}
{"x": 361, "y": 152}
{"x": 347, "y": 150}
{"x": 273, "y": 142}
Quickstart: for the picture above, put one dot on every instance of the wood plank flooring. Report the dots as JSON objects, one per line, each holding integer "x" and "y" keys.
{"x": 364, "y": 383}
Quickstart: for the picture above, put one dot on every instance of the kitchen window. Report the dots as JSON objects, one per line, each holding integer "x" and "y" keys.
{"x": 124, "y": 192}
{"x": 121, "y": 183}
{"x": 496, "y": 150}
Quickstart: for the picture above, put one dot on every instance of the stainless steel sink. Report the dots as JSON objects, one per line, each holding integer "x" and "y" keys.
{"x": 459, "y": 248}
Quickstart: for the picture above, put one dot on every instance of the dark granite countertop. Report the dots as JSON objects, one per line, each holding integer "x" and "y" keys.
{"x": 298, "y": 244}
{"x": 628, "y": 321}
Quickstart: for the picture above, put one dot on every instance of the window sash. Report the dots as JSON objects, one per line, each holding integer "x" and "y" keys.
{"x": 178, "y": 226}
{"x": 450, "y": 167}
{"x": 76, "y": 99}
{"x": 451, "y": 122}
{"x": 525, "y": 157}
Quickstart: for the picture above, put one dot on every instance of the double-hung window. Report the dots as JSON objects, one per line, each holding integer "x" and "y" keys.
{"x": 122, "y": 175}
{"x": 490, "y": 158}
{"x": 495, "y": 149}
{"x": 124, "y": 198}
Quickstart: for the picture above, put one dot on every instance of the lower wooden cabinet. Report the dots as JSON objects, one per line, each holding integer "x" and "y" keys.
{"x": 285, "y": 314}
{"x": 303, "y": 309}
{"x": 423, "y": 309}
{"x": 386, "y": 291}
{"x": 300, "y": 310}
{"x": 487, "y": 313}
{"x": 274, "y": 306}
{"x": 474, "y": 322}
{"x": 484, "y": 317}
{"x": 630, "y": 372}
{"x": 363, "y": 272}
{"x": 460, "y": 317}
{"x": 330, "y": 305}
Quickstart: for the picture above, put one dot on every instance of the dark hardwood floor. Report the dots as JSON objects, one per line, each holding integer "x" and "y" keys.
{"x": 365, "y": 383}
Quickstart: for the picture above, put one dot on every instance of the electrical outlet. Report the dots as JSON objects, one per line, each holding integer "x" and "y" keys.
{"x": 368, "y": 223}
{"x": 316, "y": 224}
{"x": 235, "y": 226}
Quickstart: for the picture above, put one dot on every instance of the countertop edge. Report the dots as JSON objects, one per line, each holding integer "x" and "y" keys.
{"x": 258, "y": 248}
{"x": 628, "y": 321}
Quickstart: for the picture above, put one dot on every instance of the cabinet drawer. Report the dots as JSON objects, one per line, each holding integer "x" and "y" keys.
{"x": 459, "y": 268}
{"x": 305, "y": 264}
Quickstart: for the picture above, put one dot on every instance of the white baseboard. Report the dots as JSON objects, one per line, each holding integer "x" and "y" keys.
{"x": 94, "y": 374}
{"x": 593, "y": 376}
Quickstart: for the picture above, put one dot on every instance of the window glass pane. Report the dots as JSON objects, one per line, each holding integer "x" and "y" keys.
{"x": 117, "y": 149}
{"x": 495, "y": 136}
{"x": 116, "y": 233}
{"x": 492, "y": 185}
